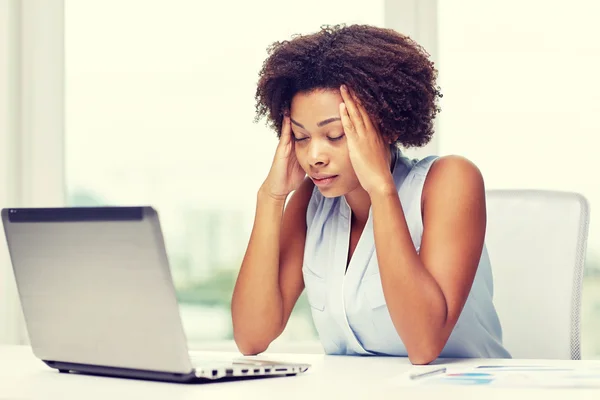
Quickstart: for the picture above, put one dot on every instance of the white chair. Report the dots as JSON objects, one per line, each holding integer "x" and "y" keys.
{"x": 537, "y": 241}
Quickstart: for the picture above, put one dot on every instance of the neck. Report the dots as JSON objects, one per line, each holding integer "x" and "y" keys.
{"x": 360, "y": 204}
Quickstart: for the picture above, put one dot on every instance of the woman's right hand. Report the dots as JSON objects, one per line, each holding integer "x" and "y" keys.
{"x": 286, "y": 174}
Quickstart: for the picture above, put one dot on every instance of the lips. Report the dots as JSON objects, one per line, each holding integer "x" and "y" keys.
{"x": 319, "y": 177}
{"x": 323, "y": 180}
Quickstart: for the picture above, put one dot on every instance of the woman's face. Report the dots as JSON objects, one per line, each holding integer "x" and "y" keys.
{"x": 320, "y": 142}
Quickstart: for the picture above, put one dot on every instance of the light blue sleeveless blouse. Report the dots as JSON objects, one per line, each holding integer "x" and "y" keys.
{"x": 348, "y": 307}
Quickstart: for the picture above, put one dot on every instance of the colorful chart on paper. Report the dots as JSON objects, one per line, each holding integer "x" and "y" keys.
{"x": 520, "y": 376}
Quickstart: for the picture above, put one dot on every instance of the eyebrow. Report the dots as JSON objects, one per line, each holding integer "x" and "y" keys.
{"x": 320, "y": 124}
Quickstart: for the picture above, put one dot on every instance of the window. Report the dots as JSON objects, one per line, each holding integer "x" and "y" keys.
{"x": 521, "y": 101}
{"x": 159, "y": 110}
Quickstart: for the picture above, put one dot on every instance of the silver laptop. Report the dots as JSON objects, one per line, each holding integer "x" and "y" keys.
{"x": 98, "y": 298}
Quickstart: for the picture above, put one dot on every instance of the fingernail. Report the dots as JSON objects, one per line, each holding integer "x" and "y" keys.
{"x": 344, "y": 87}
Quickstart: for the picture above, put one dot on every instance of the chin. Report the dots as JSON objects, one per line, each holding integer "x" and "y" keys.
{"x": 332, "y": 192}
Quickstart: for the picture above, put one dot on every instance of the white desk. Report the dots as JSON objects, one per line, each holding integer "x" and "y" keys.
{"x": 22, "y": 377}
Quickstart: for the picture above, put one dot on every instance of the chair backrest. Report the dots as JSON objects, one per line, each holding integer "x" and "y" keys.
{"x": 537, "y": 241}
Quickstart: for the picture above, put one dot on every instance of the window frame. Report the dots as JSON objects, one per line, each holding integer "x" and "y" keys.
{"x": 32, "y": 131}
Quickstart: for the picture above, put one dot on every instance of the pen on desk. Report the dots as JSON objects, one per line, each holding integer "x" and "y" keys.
{"x": 418, "y": 375}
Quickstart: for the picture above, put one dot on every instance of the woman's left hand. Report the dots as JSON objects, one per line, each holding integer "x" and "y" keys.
{"x": 369, "y": 153}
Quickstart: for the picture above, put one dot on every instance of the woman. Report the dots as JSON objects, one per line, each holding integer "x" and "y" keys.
{"x": 390, "y": 250}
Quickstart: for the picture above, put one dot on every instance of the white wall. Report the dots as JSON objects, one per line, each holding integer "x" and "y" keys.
{"x": 522, "y": 93}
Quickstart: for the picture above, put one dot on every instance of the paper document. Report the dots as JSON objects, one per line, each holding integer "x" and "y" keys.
{"x": 515, "y": 376}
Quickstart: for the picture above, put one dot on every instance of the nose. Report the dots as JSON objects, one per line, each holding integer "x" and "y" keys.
{"x": 318, "y": 156}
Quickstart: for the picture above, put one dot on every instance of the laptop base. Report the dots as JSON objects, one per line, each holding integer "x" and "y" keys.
{"x": 113, "y": 372}
{"x": 66, "y": 367}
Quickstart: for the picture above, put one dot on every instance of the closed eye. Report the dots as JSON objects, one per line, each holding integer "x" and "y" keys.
{"x": 333, "y": 139}
{"x": 298, "y": 139}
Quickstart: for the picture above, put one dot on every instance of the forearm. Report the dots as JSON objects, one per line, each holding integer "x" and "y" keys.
{"x": 257, "y": 303}
{"x": 415, "y": 301}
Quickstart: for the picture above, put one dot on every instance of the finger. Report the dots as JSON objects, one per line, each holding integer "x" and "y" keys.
{"x": 349, "y": 128}
{"x": 285, "y": 138}
{"x": 352, "y": 109}
{"x": 365, "y": 116}
{"x": 286, "y": 131}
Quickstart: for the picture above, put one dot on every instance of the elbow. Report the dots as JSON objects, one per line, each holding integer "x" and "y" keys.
{"x": 425, "y": 352}
{"x": 422, "y": 358}
{"x": 428, "y": 344}
{"x": 253, "y": 337}
{"x": 251, "y": 342}
{"x": 248, "y": 348}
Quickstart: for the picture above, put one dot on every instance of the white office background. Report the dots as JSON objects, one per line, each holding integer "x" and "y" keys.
{"x": 127, "y": 102}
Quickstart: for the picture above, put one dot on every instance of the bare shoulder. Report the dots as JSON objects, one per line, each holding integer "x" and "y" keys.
{"x": 454, "y": 169}
{"x": 453, "y": 178}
